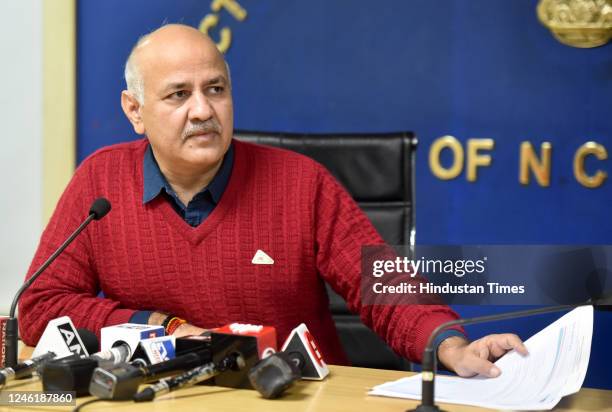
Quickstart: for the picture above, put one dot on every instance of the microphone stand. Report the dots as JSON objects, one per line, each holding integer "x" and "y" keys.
{"x": 429, "y": 357}
{"x": 99, "y": 209}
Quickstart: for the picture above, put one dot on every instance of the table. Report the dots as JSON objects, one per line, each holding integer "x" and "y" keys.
{"x": 343, "y": 391}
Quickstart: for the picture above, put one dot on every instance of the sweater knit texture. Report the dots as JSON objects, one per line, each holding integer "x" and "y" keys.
{"x": 145, "y": 257}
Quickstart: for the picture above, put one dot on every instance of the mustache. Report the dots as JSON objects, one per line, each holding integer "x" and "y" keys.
{"x": 208, "y": 126}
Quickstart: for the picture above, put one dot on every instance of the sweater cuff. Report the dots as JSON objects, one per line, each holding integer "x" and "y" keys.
{"x": 445, "y": 335}
{"x": 119, "y": 316}
{"x": 427, "y": 326}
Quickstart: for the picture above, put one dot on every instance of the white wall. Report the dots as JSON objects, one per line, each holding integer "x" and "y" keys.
{"x": 21, "y": 125}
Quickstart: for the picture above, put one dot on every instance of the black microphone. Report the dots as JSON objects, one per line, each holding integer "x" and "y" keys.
{"x": 23, "y": 369}
{"x": 429, "y": 357}
{"x": 299, "y": 359}
{"x": 99, "y": 208}
{"x": 90, "y": 341}
{"x": 122, "y": 381}
{"x": 234, "y": 361}
{"x": 276, "y": 373}
{"x": 74, "y": 374}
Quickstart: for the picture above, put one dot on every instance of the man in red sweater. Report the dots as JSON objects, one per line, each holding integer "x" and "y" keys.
{"x": 206, "y": 230}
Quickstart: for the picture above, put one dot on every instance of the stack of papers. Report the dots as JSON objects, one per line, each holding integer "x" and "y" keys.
{"x": 555, "y": 367}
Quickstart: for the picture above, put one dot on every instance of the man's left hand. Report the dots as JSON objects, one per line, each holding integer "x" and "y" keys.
{"x": 475, "y": 358}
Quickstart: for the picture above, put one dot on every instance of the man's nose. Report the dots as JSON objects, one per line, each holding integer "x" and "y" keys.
{"x": 200, "y": 108}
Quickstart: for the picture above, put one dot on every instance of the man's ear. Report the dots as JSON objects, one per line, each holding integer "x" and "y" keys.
{"x": 131, "y": 108}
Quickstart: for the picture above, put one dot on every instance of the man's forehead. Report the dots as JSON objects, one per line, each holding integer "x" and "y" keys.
{"x": 180, "y": 54}
{"x": 178, "y": 46}
{"x": 175, "y": 66}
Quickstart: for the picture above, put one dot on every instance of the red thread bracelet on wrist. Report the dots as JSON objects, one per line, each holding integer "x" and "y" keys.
{"x": 173, "y": 325}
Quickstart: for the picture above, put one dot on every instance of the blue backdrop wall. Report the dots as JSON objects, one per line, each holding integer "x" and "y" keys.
{"x": 470, "y": 69}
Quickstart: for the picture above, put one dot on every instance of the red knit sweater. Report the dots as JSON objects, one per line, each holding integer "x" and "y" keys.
{"x": 145, "y": 257}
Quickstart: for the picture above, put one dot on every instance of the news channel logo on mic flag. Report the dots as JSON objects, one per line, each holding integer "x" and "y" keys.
{"x": 159, "y": 349}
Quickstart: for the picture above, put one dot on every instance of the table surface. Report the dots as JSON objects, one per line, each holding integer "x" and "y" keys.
{"x": 344, "y": 390}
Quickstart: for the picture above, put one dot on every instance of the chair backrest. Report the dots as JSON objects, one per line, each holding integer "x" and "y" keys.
{"x": 378, "y": 171}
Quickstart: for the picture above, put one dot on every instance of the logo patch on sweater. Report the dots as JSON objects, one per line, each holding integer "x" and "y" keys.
{"x": 261, "y": 258}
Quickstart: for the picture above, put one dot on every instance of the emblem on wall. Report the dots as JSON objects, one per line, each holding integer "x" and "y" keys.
{"x": 578, "y": 23}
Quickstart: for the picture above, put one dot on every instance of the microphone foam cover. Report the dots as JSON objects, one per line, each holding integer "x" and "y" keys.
{"x": 89, "y": 340}
{"x": 99, "y": 208}
{"x": 273, "y": 375}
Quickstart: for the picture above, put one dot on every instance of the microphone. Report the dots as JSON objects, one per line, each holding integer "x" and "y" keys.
{"x": 122, "y": 381}
{"x": 301, "y": 345}
{"x": 276, "y": 373}
{"x": 72, "y": 374}
{"x": 300, "y": 358}
{"x": 235, "y": 347}
{"x": 251, "y": 341}
{"x": 23, "y": 369}
{"x": 429, "y": 357}
{"x": 120, "y": 344}
{"x": 99, "y": 208}
{"x": 61, "y": 336}
{"x": 234, "y": 361}
{"x": 254, "y": 342}
{"x": 113, "y": 356}
{"x": 133, "y": 335}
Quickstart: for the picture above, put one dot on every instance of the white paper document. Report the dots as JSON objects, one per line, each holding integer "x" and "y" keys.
{"x": 555, "y": 367}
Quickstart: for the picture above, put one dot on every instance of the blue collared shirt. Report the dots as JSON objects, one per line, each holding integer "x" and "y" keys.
{"x": 202, "y": 204}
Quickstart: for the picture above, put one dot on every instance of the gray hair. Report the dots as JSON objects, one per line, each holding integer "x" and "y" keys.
{"x": 133, "y": 77}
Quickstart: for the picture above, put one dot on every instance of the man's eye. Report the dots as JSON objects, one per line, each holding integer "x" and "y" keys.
{"x": 181, "y": 94}
{"x": 216, "y": 89}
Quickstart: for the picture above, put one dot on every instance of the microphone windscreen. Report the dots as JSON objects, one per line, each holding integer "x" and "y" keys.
{"x": 274, "y": 374}
{"x": 89, "y": 340}
{"x": 99, "y": 208}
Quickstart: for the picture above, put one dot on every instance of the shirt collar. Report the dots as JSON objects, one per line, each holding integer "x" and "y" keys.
{"x": 155, "y": 182}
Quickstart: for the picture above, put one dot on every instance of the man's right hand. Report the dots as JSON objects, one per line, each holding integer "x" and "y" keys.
{"x": 187, "y": 329}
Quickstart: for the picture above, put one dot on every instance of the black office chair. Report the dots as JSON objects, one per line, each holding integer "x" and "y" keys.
{"x": 378, "y": 171}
